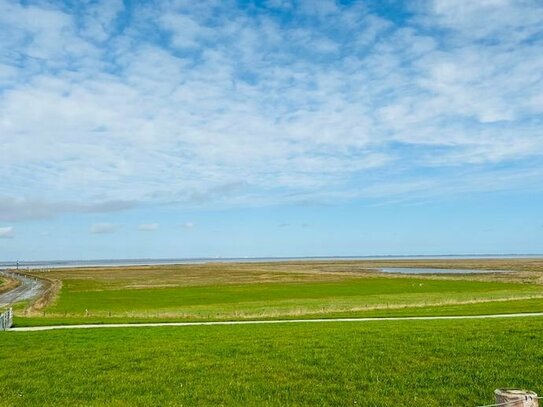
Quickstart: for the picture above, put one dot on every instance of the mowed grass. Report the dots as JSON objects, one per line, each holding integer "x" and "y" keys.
{"x": 414, "y": 363}
{"x": 534, "y": 305}
{"x": 267, "y": 300}
{"x": 279, "y": 290}
{"x": 374, "y": 290}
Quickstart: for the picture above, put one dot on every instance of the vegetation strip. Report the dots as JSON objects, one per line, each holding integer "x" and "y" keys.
{"x": 7, "y": 284}
{"x": 276, "y": 321}
{"x": 312, "y": 289}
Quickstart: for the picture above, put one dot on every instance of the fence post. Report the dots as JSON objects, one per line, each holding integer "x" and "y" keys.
{"x": 6, "y": 319}
{"x": 516, "y": 398}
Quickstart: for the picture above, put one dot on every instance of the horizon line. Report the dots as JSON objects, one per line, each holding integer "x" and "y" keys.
{"x": 171, "y": 260}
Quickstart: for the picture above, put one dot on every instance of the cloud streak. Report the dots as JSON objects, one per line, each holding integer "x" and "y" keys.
{"x": 7, "y": 232}
{"x": 16, "y": 209}
{"x": 103, "y": 228}
{"x": 148, "y": 227}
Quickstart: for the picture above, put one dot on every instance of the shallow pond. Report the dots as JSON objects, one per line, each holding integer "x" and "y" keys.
{"x": 415, "y": 270}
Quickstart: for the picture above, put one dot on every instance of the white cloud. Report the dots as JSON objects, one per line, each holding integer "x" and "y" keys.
{"x": 148, "y": 227}
{"x": 7, "y": 232}
{"x": 185, "y": 30}
{"x": 235, "y": 109}
{"x": 508, "y": 20}
{"x": 98, "y": 19}
{"x": 188, "y": 225}
{"x": 17, "y": 208}
{"x": 103, "y": 228}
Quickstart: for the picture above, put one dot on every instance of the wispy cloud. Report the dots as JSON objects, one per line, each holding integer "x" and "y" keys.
{"x": 7, "y": 232}
{"x": 18, "y": 208}
{"x": 219, "y": 103}
{"x": 103, "y": 228}
{"x": 188, "y": 225}
{"x": 148, "y": 227}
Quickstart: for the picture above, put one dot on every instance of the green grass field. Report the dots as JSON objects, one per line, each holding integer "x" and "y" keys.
{"x": 377, "y": 363}
{"x": 277, "y": 290}
{"x": 279, "y": 298}
{"x": 420, "y": 363}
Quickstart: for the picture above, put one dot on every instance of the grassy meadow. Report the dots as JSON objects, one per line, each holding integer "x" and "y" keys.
{"x": 280, "y": 290}
{"x": 381, "y": 363}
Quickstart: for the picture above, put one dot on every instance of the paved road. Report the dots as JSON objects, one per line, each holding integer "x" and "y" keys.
{"x": 275, "y": 321}
{"x": 28, "y": 289}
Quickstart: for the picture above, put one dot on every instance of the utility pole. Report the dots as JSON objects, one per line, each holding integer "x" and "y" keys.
{"x": 17, "y": 264}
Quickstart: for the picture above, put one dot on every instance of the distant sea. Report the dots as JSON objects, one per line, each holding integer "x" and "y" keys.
{"x": 148, "y": 262}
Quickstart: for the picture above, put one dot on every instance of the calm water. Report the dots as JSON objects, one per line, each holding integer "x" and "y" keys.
{"x": 133, "y": 262}
{"x": 413, "y": 270}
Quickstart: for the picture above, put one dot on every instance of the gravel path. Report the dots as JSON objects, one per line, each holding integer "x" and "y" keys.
{"x": 28, "y": 289}
{"x": 275, "y": 321}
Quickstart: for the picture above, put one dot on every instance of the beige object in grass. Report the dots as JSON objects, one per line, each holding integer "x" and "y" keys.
{"x": 516, "y": 398}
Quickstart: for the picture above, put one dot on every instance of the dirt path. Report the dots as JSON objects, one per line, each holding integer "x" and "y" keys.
{"x": 29, "y": 288}
{"x": 276, "y": 321}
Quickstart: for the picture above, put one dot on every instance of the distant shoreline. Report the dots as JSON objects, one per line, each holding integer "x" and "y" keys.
{"x": 203, "y": 260}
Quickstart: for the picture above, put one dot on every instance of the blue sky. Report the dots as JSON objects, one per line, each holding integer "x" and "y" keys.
{"x": 270, "y": 128}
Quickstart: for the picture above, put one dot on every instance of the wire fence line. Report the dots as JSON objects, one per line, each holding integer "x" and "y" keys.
{"x": 6, "y": 319}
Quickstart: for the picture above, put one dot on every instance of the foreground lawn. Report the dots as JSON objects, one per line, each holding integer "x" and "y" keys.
{"x": 417, "y": 363}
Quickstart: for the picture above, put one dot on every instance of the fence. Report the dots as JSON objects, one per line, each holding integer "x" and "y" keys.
{"x": 6, "y": 320}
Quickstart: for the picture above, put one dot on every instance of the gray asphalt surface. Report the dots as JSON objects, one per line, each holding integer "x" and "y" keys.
{"x": 27, "y": 290}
